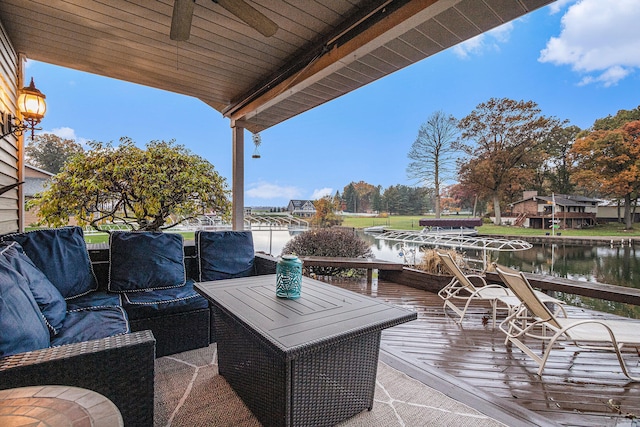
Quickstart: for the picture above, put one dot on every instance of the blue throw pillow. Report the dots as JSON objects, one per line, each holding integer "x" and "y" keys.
{"x": 140, "y": 261}
{"x": 224, "y": 254}
{"x": 61, "y": 254}
{"x": 49, "y": 300}
{"x": 22, "y": 326}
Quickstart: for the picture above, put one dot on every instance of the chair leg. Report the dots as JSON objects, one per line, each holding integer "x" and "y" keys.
{"x": 494, "y": 306}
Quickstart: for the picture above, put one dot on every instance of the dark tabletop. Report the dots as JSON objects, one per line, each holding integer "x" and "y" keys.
{"x": 322, "y": 315}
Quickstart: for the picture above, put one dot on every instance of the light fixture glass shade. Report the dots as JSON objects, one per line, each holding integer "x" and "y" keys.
{"x": 31, "y": 103}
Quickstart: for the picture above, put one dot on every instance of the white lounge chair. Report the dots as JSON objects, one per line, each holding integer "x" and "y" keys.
{"x": 462, "y": 290}
{"x": 534, "y": 320}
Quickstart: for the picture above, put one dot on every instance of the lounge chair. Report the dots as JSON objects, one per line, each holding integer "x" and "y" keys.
{"x": 462, "y": 290}
{"x": 534, "y": 320}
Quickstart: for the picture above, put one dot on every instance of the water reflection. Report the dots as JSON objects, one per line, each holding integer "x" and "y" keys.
{"x": 602, "y": 264}
{"x": 616, "y": 265}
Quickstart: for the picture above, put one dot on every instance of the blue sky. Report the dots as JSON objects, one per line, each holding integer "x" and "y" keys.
{"x": 578, "y": 60}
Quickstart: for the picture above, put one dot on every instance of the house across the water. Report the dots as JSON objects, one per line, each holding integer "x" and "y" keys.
{"x": 567, "y": 211}
{"x": 301, "y": 208}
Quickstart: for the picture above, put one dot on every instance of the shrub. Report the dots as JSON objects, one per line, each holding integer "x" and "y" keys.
{"x": 140, "y": 188}
{"x": 329, "y": 242}
{"x": 431, "y": 262}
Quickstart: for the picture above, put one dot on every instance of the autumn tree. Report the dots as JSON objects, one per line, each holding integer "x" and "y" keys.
{"x": 500, "y": 137}
{"x": 621, "y": 118}
{"x": 557, "y": 148}
{"x": 138, "y": 187}
{"x": 609, "y": 160}
{"x": 358, "y": 196}
{"x": 365, "y": 193}
{"x": 50, "y": 152}
{"x": 325, "y": 215}
{"x": 433, "y": 152}
{"x": 462, "y": 197}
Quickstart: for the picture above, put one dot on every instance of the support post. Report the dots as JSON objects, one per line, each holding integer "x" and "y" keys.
{"x": 237, "y": 184}
{"x": 20, "y": 146}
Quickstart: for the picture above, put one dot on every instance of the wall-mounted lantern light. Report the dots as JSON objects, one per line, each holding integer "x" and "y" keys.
{"x": 32, "y": 106}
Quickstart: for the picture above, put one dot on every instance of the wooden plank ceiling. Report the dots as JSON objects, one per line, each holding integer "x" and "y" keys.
{"x": 322, "y": 49}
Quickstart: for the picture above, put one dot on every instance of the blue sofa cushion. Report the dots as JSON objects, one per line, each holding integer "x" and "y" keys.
{"x": 51, "y": 303}
{"x": 61, "y": 254}
{"x": 140, "y": 261}
{"x": 22, "y": 325}
{"x": 161, "y": 302}
{"x": 92, "y": 324}
{"x": 224, "y": 254}
{"x": 95, "y": 299}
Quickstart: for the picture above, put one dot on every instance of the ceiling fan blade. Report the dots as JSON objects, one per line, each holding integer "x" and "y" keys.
{"x": 181, "y": 19}
{"x": 251, "y": 16}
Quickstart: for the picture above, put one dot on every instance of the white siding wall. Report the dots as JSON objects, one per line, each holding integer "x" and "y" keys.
{"x": 9, "y": 153}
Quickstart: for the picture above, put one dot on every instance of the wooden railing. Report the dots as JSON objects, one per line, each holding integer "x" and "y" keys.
{"x": 433, "y": 283}
{"x": 369, "y": 264}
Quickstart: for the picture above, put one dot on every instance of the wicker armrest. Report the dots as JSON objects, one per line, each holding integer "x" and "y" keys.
{"x": 120, "y": 368}
{"x": 265, "y": 264}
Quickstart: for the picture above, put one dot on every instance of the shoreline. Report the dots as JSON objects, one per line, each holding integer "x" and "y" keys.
{"x": 573, "y": 240}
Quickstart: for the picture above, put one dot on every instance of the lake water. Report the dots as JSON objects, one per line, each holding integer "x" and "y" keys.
{"x": 615, "y": 265}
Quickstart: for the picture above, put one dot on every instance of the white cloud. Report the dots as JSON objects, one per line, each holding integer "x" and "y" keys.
{"x": 501, "y": 33}
{"x": 320, "y": 193}
{"x": 599, "y": 39}
{"x": 68, "y": 133}
{"x": 481, "y": 43}
{"x": 473, "y": 45}
{"x": 559, "y": 5}
{"x": 265, "y": 190}
{"x": 609, "y": 78}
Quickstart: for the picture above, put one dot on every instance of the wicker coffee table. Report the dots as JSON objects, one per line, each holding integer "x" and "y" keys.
{"x": 305, "y": 362}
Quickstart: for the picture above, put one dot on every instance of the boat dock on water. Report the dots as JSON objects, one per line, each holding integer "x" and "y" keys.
{"x": 458, "y": 234}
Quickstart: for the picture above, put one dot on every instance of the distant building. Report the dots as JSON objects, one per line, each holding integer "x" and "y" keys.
{"x": 613, "y": 211}
{"x": 301, "y": 208}
{"x": 34, "y": 182}
{"x": 569, "y": 211}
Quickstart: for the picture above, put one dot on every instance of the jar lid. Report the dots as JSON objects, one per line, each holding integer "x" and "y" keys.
{"x": 289, "y": 257}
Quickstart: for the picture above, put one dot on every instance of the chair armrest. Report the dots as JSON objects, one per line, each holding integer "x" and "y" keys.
{"x": 121, "y": 368}
{"x": 265, "y": 264}
{"x": 479, "y": 277}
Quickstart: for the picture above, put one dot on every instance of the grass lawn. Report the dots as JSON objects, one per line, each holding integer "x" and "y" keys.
{"x": 395, "y": 222}
{"x": 412, "y": 223}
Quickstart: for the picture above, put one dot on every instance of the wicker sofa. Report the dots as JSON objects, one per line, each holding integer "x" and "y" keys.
{"x": 211, "y": 256}
{"x": 146, "y": 277}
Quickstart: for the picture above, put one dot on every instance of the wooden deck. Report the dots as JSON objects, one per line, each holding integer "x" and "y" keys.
{"x": 471, "y": 363}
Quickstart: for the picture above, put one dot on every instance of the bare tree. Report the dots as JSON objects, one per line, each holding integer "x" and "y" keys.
{"x": 433, "y": 153}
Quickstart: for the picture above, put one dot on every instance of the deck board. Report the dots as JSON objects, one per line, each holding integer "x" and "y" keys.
{"x": 575, "y": 388}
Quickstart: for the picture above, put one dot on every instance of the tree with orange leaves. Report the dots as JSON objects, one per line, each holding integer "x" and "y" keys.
{"x": 609, "y": 161}
{"x": 501, "y": 138}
